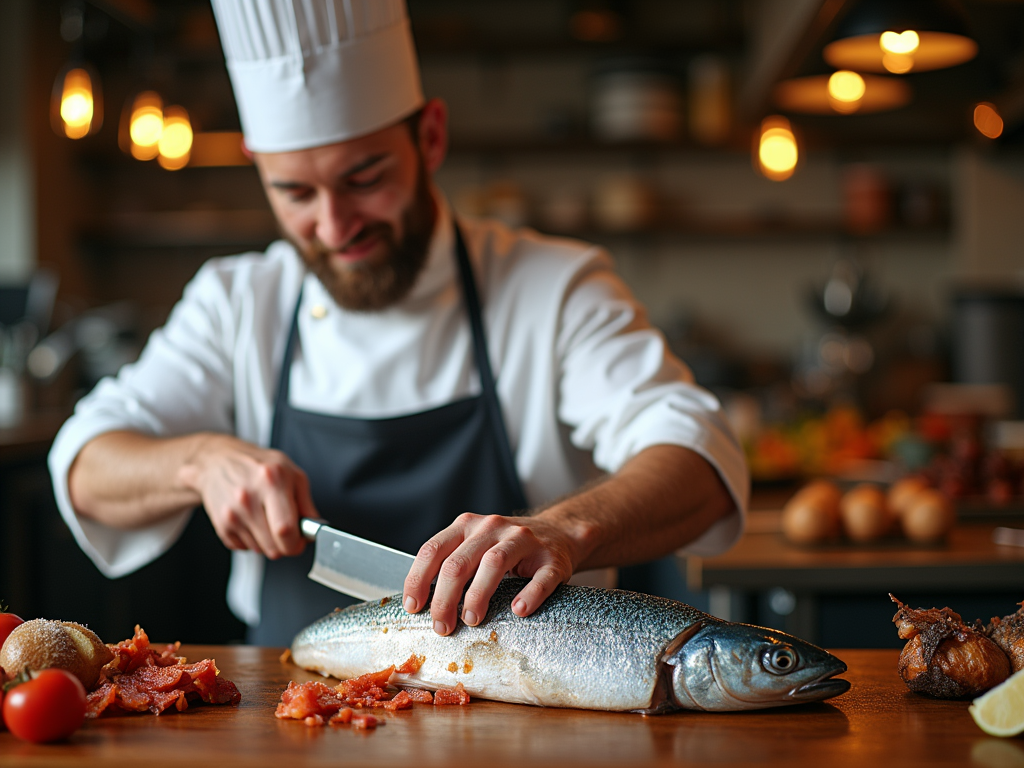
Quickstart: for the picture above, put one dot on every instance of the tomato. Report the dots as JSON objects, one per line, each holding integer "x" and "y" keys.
{"x": 48, "y": 707}
{"x": 8, "y": 621}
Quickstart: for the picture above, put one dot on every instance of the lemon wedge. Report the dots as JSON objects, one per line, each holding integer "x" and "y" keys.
{"x": 1000, "y": 712}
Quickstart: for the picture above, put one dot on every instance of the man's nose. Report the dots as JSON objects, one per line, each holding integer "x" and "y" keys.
{"x": 337, "y": 222}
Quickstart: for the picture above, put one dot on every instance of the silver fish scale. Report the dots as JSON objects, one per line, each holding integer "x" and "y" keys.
{"x": 585, "y": 647}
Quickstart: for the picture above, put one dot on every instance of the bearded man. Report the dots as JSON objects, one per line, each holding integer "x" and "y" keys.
{"x": 490, "y": 399}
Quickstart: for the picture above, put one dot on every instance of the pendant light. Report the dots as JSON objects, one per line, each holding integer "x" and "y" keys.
{"x": 988, "y": 121}
{"x": 842, "y": 93}
{"x": 76, "y": 105}
{"x": 901, "y": 36}
{"x": 142, "y": 123}
{"x": 775, "y": 149}
{"x": 175, "y": 142}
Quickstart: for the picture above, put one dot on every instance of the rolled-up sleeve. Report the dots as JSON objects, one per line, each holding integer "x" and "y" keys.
{"x": 621, "y": 391}
{"x": 180, "y": 384}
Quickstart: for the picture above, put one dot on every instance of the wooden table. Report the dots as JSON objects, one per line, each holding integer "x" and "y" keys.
{"x": 878, "y": 722}
{"x": 763, "y": 559}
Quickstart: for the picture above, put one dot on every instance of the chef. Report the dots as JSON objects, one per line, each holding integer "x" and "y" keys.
{"x": 490, "y": 399}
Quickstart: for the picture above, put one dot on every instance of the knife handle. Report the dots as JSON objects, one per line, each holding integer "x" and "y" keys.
{"x": 310, "y": 525}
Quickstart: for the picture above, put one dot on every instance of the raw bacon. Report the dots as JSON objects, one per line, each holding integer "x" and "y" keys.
{"x": 312, "y": 701}
{"x": 457, "y": 695}
{"x": 302, "y": 700}
{"x": 420, "y": 696}
{"x": 141, "y": 679}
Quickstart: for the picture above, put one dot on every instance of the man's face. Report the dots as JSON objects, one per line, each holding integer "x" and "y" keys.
{"x": 360, "y": 213}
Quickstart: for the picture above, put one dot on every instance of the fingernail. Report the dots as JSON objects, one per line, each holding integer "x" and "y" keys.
{"x": 440, "y": 628}
{"x": 519, "y": 606}
{"x": 410, "y": 605}
{"x": 470, "y": 618}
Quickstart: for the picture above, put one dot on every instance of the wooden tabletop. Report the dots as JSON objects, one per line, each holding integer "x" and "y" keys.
{"x": 763, "y": 557}
{"x": 878, "y": 722}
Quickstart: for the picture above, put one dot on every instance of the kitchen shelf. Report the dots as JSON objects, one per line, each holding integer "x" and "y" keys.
{"x": 484, "y": 45}
{"x": 582, "y": 144}
{"x": 184, "y": 229}
{"x": 756, "y": 229}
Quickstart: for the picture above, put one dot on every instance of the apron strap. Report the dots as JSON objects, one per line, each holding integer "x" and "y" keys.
{"x": 483, "y": 365}
{"x": 488, "y": 387}
{"x": 284, "y": 379}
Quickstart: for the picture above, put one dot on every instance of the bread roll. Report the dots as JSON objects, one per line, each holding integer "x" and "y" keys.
{"x": 812, "y": 515}
{"x": 865, "y": 513}
{"x": 903, "y": 491}
{"x": 929, "y": 517}
{"x": 42, "y": 643}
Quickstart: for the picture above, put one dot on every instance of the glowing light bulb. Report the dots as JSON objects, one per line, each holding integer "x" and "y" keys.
{"x": 777, "y": 152}
{"x": 898, "y": 49}
{"x": 146, "y": 125}
{"x": 900, "y": 42}
{"x": 845, "y": 91}
{"x": 988, "y": 121}
{"x": 77, "y": 106}
{"x": 176, "y": 139}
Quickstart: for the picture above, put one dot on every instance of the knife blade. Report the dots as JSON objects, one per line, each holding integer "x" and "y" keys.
{"x": 357, "y": 567}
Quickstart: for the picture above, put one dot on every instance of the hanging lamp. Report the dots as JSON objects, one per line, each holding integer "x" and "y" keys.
{"x": 901, "y": 36}
{"x": 76, "y": 103}
{"x": 842, "y": 93}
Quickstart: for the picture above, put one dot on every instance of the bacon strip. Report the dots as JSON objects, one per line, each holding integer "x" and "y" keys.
{"x": 141, "y": 679}
{"x": 313, "y": 701}
{"x": 457, "y": 695}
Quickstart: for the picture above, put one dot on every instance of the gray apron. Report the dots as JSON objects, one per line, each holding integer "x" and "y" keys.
{"x": 397, "y": 481}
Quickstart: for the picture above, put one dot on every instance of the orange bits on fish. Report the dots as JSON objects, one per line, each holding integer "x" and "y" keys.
{"x": 457, "y": 695}
{"x": 411, "y": 665}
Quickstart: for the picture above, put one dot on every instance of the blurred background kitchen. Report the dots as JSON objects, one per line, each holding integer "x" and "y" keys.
{"x": 825, "y": 220}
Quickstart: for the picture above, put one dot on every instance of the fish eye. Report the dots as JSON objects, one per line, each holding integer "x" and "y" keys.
{"x": 780, "y": 660}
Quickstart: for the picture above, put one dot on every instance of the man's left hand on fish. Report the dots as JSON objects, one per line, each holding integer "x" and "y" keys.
{"x": 492, "y": 399}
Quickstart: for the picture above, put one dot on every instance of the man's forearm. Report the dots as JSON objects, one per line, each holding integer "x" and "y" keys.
{"x": 663, "y": 498}
{"x": 129, "y": 480}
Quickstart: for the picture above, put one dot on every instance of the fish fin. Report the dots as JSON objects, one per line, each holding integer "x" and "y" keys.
{"x": 663, "y": 697}
{"x": 668, "y": 655}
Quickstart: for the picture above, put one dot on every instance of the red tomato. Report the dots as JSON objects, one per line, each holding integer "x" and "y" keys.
{"x": 8, "y": 621}
{"x": 48, "y": 707}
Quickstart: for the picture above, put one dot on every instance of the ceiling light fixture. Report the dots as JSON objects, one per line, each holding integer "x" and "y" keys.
{"x": 844, "y": 93}
{"x": 76, "y": 106}
{"x": 776, "y": 150}
{"x": 901, "y": 36}
{"x": 175, "y": 142}
{"x": 988, "y": 121}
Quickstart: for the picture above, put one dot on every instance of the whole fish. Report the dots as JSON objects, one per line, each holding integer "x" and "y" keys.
{"x": 585, "y": 648}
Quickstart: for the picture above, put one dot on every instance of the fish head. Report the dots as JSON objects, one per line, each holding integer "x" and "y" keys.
{"x": 727, "y": 666}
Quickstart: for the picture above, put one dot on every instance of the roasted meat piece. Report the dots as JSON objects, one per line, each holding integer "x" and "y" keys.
{"x": 944, "y": 657}
{"x": 1008, "y": 634}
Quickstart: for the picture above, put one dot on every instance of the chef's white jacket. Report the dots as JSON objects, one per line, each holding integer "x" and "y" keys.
{"x": 584, "y": 381}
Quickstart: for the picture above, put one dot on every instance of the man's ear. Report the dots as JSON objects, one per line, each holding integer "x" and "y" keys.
{"x": 433, "y": 134}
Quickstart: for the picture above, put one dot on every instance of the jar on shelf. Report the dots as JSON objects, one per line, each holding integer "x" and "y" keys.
{"x": 636, "y": 102}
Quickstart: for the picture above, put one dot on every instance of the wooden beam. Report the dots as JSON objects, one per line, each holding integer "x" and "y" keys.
{"x": 136, "y": 14}
{"x": 785, "y": 33}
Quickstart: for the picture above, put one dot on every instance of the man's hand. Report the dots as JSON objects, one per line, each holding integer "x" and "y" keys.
{"x": 485, "y": 548}
{"x": 254, "y": 496}
{"x": 663, "y": 498}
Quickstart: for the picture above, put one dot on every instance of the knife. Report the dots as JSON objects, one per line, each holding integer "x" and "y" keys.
{"x": 360, "y": 568}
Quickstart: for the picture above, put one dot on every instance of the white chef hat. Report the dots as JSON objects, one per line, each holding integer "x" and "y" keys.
{"x": 312, "y": 72}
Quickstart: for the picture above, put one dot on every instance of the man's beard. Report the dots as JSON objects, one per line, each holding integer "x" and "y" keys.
{"x": 366, "y": 287}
